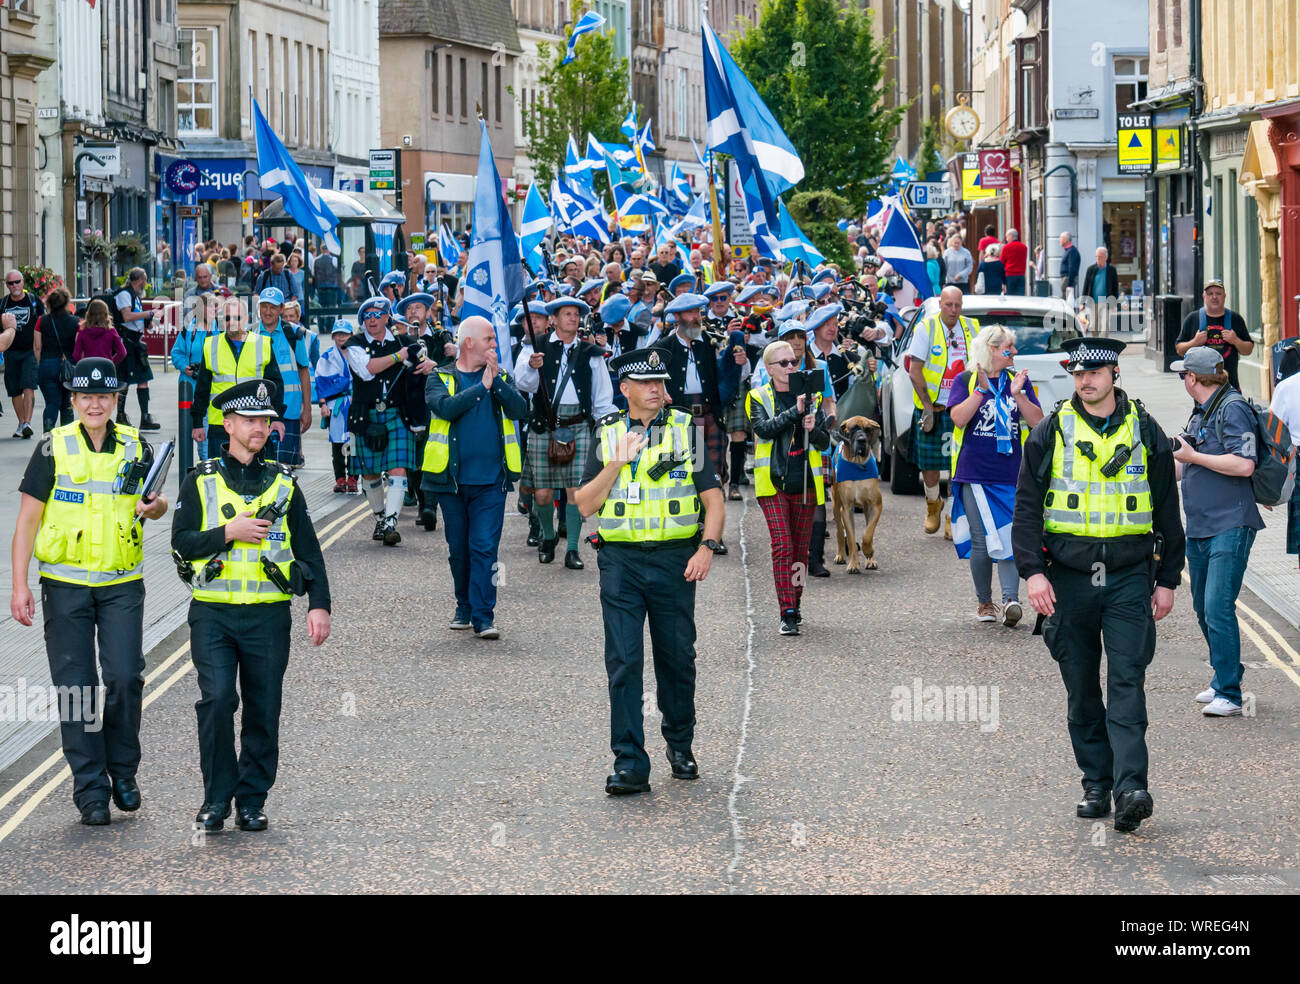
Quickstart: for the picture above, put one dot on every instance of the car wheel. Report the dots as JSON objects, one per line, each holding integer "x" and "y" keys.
{"x": 904, "y": 479}
{"x": 885, "y": 467}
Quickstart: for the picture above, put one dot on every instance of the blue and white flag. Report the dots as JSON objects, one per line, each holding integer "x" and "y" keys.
{"x": 278, "y": 174}
{"x": 996, "y": 504}
{"x": 794, "y": 244}
{"x": 573, "y": 165}
{"x": 901, "y": 248}
{"x": 494, "y": 278}
{"x": 902, "y": 173}
{"x": 740, "y": 124}
{"x": 582, "y": 216}
{"x": 536, "y": 224}
{"x": 763, "y": 218}
{"x": 628, "y": 126}
{"x": 677, "y": 184}
{"x": 587, "y": 23}
{"x": 630, "y": 203}
{"x": 696, "y": 217}
{"x": 448, "y": 247}
{"x": 624, "y": 155}
{"x": 645, "y": 140}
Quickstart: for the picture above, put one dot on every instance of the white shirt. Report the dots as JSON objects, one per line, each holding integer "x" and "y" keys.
{"x": 1286, "y": 404}
{"x": 358, "y": 356}
{"x": 692, "y": 386}
{"x": 919, "y": 349}
{"x": 529, "y": 379}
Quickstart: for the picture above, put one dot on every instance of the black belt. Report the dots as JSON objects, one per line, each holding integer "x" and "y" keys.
{"x": 693, "y": 542}
{"x": 700, "y": 409}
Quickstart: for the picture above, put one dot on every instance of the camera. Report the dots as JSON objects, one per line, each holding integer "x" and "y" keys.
{"x": 807, "y": 382}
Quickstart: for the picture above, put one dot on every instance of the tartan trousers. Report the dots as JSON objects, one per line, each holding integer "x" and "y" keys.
{"x": 789, "y": 522}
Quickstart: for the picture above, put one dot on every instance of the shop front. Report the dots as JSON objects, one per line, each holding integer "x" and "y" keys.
{"x": 228, "y": 213}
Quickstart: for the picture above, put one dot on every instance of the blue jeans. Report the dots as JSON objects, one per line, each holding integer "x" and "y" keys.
{"x": 1216, "y": 565}
{"x": 58, "y": 402}
{"x": 471, "y": 520}
{"x": 1016, "y": 284}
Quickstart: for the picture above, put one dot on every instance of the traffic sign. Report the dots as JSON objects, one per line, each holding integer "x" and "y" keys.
{"x": 933, "y": 195}
{"x": 383, "y": 170}
{"x": 1134, "y": 143}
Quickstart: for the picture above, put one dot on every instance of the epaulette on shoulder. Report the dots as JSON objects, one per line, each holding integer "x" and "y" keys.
{"x": 611, "y": 418}
{"x": 208, "y": 466}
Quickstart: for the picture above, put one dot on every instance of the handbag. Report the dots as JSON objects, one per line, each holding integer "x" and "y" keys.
{"x": 562, "y": 447}
{"x": 65, "y": 366}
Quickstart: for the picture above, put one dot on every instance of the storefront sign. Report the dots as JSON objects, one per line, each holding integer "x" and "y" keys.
{"x": 995, "y": 168}
{"x": 1134, "y": 140}
{"x": 1075, "y": 114}
{"x": 223, "y": 176}
{"x": 972, "y": 185}
{"x": 109, "y": 154}
{"x": 1169, "y": 148}
{"x": 182, "y": 177}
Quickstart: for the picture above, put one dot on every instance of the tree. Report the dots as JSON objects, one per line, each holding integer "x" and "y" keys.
{"x": 820, "y": 70}
{"x": 587, "y": 95}
{"x": 927, "y": 154}
{"x": 816, "y": 213}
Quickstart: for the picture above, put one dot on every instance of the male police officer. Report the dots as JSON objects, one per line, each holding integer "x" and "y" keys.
{"x": 648, "y": 484}
{"x": 1096, "y": 496}
{"x": 229, "y": 356}
{"x": 244, "y": 542}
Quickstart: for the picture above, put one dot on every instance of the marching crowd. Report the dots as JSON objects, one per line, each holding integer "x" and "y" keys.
{"x": 640, "y": 380}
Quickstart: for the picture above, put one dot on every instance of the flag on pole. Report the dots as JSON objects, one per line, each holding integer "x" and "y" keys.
{"x": 741, "y": 125}
{"x": 794, "y": 244}
{"x": 628, "y": 127}
{"x": 494, "y": 280}
{"x": 582, "y": 216}
{"x": 279, "y": 174}
{"x": 448, "y": 247}
{"x": 587, "y": 23}
{"x": 763, "y": 219}
{"x": 645, "y": 140}
{"x": 622, "y": 153}
{"x": 678, "y": 186}
{"x": 696, "y": 217}
{"x": 536, "y": 224}
{"x": 901, "y": 248}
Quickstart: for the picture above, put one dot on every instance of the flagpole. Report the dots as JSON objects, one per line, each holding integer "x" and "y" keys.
{"x": 720, "y": 260}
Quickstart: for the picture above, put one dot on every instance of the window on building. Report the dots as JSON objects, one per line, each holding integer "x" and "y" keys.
{"x": 1162, "y": 34}
{"x": 1031, "y": 94}
{"x": 433, "y": 60}
{"x": 1177, "y": 17}
{"x": 681, "y": 102}
{"x": 485, "y": 106}
{"x": 451, "y": 108}
{"x": 167, "y": 106}
{"x": 464, "y": 90}
{"x": 496, "y": 95}
{"x": 196, "y": 79}
{"x": 1130, "y": 75}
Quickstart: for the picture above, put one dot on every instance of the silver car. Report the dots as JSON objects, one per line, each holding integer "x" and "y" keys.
{"x": 1042, "y": 326}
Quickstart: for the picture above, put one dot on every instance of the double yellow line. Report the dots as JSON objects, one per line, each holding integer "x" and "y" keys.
{"x": 340, "y": 526}
{"x": 1260, "y": 644}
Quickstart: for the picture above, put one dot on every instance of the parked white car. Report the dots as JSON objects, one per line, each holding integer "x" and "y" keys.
{"x": 1042, "y": 326}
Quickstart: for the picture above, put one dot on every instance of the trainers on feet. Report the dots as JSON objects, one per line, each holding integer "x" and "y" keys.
{"x": 1221, "y": 707}
{"x": 1205, "y": 696}
{"x": 1011, "y": 613}
{"x": 460, "y": 620}
{"x": 987, "y": 612}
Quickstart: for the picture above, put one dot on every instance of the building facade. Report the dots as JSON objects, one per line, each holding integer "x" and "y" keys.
{"x": 538, "y": 23}
{"x": 441, "y": 63}
{"x": 26, "y": 51}
{"x": 354, "y": 90}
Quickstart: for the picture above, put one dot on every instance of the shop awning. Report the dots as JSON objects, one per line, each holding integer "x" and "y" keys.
{"x": 1258, "y": 162}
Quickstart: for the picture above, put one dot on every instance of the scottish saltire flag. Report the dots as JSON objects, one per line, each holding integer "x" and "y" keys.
{"x": 741, "y": 125}
{"x": 278, "y": 174}
{"x": 581, "y": 214}
{"x": 763, "y": 219}
{"x": 622, "y": 153}
{"x": 842, "y": 225}
{"x": 558, "y": 215}
{"x": 899, "y": 245}
{"x": 494, "y": 279}
{"x": 645, "y": 140}
{"x": 696, "y": 217}
{"x": 902, "y": 173}
{"x": 573, "y": 165}
{"x": 448, "y": 247}
{"x": 995, "y": 503}
{"x": 634, "y": 203}
{"x": 587, "y": 23}
{"x": 794, "y": 244}
{"x": 536, "y": 224}
{"x": 628, "y": 126}
{"x": 678, "y": 187}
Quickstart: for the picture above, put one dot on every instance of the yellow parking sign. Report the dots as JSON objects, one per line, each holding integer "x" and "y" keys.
{"x": 1134, "y": 144}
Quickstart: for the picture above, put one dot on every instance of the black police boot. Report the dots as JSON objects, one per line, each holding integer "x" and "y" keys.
{"x": 534, "y": 531}
{"x": 1131, "y": 809}
{"x": 546, "y": 552}
{"x": 429, "y": 519}
{"x": 1095, "y": 803}
{"x": 126, "y": 794}
{"x": 95, "y": 815}
{"x": 147, "y": 423}
{"x": 683, "y": 764}
{"x": 250, "y": 818}
{"x": 817, "y": 551}
{"x": 572, "y": 561}
{"x": 625, "y": 783}
{"x": 212, "y": 817}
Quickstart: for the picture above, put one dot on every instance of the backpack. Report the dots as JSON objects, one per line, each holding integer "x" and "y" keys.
{"x": 110, "y": 298}
{"x": 1274, "y": 476}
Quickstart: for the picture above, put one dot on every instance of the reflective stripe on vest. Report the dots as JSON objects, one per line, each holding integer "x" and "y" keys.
{"x": 1080, "y": 500}
{"x": 254, "y": 356}
{"x": 88, "y": 533}
{"x": 667, "y": 508}
{"x": 437, "y": 447}
{"x": 763, "y": 449}
{"x": 242, "y": 580}
{"x": 936, "y": 361}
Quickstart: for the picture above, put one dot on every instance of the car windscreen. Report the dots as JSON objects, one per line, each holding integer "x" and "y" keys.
{"x": 1036, "y": 334}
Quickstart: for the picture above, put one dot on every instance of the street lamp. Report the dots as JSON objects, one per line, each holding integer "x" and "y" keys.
{"x": 427, "y": 199}
{"x": 243, "y": 194}
{"x": 76, "y": 171}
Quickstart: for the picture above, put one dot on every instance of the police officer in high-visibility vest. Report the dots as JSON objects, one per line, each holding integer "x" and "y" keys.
{"x": 230, "y": 356}
{"x": 650, "y": 479}
{"x": 471, "y": 460}
{"x": 81, "y": 515}
{"x": 1098, "y": 537}
{"x": 289, "y": 351}
{"x": 938, "y": 354}
{"x": 243, "y": 541}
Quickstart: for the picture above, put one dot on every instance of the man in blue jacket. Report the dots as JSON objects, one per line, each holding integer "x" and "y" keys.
{"x": 471, "y": 460}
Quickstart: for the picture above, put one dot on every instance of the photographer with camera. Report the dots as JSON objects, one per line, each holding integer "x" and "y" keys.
{"x": 243, "y": 523}
{"x": 790, "y": 432}
{"x": 133, "y": 321}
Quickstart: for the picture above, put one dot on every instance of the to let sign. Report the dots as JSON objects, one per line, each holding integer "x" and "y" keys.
{"x": 995, "y": 169}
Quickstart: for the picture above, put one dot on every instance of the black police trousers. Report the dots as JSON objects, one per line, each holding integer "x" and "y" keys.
{"x": 100, "y": 739}
{"x": 1114, "y": 608}
{"x": 251, "y": 642}
{"x": 636, "y": 584}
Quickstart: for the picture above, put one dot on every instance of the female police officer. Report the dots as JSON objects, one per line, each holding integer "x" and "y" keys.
{"x": 80, "y": 515}
{"x": 648, "y": 484}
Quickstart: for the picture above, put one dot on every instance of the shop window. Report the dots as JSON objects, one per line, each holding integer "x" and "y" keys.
{"x": 1031, "y": 94}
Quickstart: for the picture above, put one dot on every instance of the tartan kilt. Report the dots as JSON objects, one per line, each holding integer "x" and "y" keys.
{"x": 548, "y": 476}
{"x": 932, "y": 449}
{"x": 736, "y": 419}
{"x": 401, "y": 450}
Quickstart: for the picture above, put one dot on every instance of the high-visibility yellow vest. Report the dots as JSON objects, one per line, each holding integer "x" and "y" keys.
{"x": 88, "y": 532}
{"x": 227, "y": 370}
{"x": 437, "y": 449}
{"x": 763, "y": 449}
{"x": 1080, "y": 499}
{"x": 936, "y": 363}
{"x": 959, "y": 433}
{"x": 242, "y": 580}
{"x": 667, "y": 508}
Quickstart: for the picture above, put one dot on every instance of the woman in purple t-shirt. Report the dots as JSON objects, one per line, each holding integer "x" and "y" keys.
{"x": 992, "y": 412}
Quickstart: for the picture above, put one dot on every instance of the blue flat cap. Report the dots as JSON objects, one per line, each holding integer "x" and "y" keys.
{"x": 342, "y": 326}
{"x": 374, "y": 304}
{"x": 718, "y": 287}
{"x": 820, "y": 290}
{"x": 560, "y": 302}
{"x": 615, "y": 309}
{"x": 271, "y": 295}
{"x": 827, "y": 275}
{"x": 593, "y": 284}
{"x": 417, "y": 298}
{"x": 821, "y": 315}
{"x": 681, "y": 278}
{"x": 790, "y": 310}
{"x": 685, "y": 302}
{"x": 394, "y": 278}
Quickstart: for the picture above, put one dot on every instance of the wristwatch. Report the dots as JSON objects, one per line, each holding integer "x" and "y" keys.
{"x": 711, "y": 544}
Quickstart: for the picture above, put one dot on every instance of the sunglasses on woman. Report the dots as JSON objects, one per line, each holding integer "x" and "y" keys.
{"x": 786, "y": 363}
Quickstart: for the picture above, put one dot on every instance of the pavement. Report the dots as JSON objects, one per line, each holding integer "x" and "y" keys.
{"x": 419, "y": 759}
